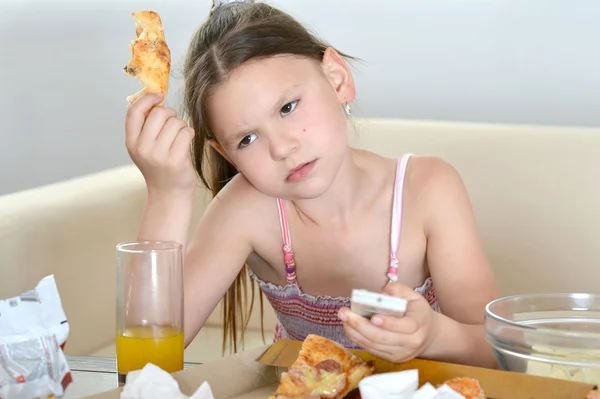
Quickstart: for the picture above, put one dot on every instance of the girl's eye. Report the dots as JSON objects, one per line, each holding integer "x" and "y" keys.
{"x": 246, "y": 141}
{"x": 288, "y": 108}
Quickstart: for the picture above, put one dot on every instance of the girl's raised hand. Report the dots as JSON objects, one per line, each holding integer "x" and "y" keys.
{"x": 159, "y": 144}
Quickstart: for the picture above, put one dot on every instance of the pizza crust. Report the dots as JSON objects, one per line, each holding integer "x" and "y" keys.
{"x": 150, "y": 61}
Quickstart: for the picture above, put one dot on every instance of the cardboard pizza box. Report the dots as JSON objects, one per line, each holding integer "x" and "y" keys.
{"x": 254, "y": 374}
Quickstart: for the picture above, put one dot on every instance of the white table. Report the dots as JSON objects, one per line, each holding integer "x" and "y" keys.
{"x": 93, "y": 374}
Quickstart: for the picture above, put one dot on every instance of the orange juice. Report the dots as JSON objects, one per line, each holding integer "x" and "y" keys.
{"x": 159, "y": 345}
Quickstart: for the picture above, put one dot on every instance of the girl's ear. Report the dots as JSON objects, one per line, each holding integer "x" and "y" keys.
{"x": 339, "y": 75}
{"x": 217, "y": 147}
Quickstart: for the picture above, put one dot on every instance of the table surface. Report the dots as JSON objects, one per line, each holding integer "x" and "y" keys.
{"x": 94, "y": 374}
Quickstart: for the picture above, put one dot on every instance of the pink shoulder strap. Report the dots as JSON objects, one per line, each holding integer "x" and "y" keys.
{"x": 288, "y": 253}
{"x": 397, "y": 216}
{"x": 290, "y": 265}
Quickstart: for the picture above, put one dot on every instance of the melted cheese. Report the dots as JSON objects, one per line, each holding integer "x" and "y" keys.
{"x": 330, "y": 385}
{"x": 323, "y": 383}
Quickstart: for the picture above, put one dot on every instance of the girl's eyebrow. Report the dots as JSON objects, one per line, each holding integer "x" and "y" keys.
{"x": 235, "y": 138}
{"x": 284, "y": 98}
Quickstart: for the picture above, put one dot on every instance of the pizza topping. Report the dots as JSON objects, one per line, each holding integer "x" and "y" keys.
{"x": 329, "y": 365}
{"x": 317, "y": 382}
{"x": 328, "y": 385}
{"x": 131, "y": 70}
{"x": 467, "y": 387}
{"x": 297, "y": 375}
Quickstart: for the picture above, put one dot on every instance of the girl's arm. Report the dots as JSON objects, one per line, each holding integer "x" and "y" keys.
{"x": 219, "y": 249}
{"x": 217, "y": 252}
{"x": 166, "y": 218}
{"x": 464, "y": 281}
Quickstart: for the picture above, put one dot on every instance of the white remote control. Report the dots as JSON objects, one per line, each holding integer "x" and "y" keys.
{"x": 367, "y": 304}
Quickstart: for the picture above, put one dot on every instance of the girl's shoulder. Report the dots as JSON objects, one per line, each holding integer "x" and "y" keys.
{"x": 435, "y": 186}
{"x": 422, "y": 171}
{"x": 429, "y": 173}
{"x": 425, "y": 176}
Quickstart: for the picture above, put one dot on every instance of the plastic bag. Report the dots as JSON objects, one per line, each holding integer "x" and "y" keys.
{"x": 33, "y": 332}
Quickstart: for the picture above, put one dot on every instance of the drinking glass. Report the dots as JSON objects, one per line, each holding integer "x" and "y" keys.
{"x": 149, "y": 306}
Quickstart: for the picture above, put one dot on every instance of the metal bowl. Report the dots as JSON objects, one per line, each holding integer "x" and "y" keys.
{"x": 553, "y": 334}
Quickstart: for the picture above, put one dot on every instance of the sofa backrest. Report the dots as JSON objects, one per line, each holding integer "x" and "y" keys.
{"x": 534, "y": 190}
{"x": 70, "y": 229}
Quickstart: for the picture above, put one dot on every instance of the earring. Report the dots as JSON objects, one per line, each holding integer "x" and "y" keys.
{"x": 347, "y": 109}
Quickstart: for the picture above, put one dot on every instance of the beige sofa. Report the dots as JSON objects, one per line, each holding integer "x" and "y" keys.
{"x": 535, "y": 191}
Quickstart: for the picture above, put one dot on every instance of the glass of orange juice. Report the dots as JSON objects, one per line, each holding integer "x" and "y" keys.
{"x": 149, "y": 306}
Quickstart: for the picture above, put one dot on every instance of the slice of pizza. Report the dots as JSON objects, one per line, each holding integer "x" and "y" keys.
{"x": 323, "y": 369}
{"x": 150, "y": 61}
{"x": 467, "y": 387}
{"x": 595, "y": 394}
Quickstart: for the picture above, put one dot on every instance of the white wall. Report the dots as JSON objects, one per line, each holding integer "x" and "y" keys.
{"x": 63, "y": 92}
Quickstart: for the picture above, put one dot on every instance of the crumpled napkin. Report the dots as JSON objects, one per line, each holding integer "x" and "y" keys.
{"x": 152, "y": 382}
{"x": 402, "y": 385}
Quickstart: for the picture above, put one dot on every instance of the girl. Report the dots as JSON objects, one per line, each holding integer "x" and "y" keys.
{"x": 311, "y": 217}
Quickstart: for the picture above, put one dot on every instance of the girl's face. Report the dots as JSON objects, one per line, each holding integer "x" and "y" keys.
{"x": 280, "y": 121}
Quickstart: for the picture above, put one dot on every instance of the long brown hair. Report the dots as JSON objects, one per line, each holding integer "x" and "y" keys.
{"x": 233, "y": 34}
